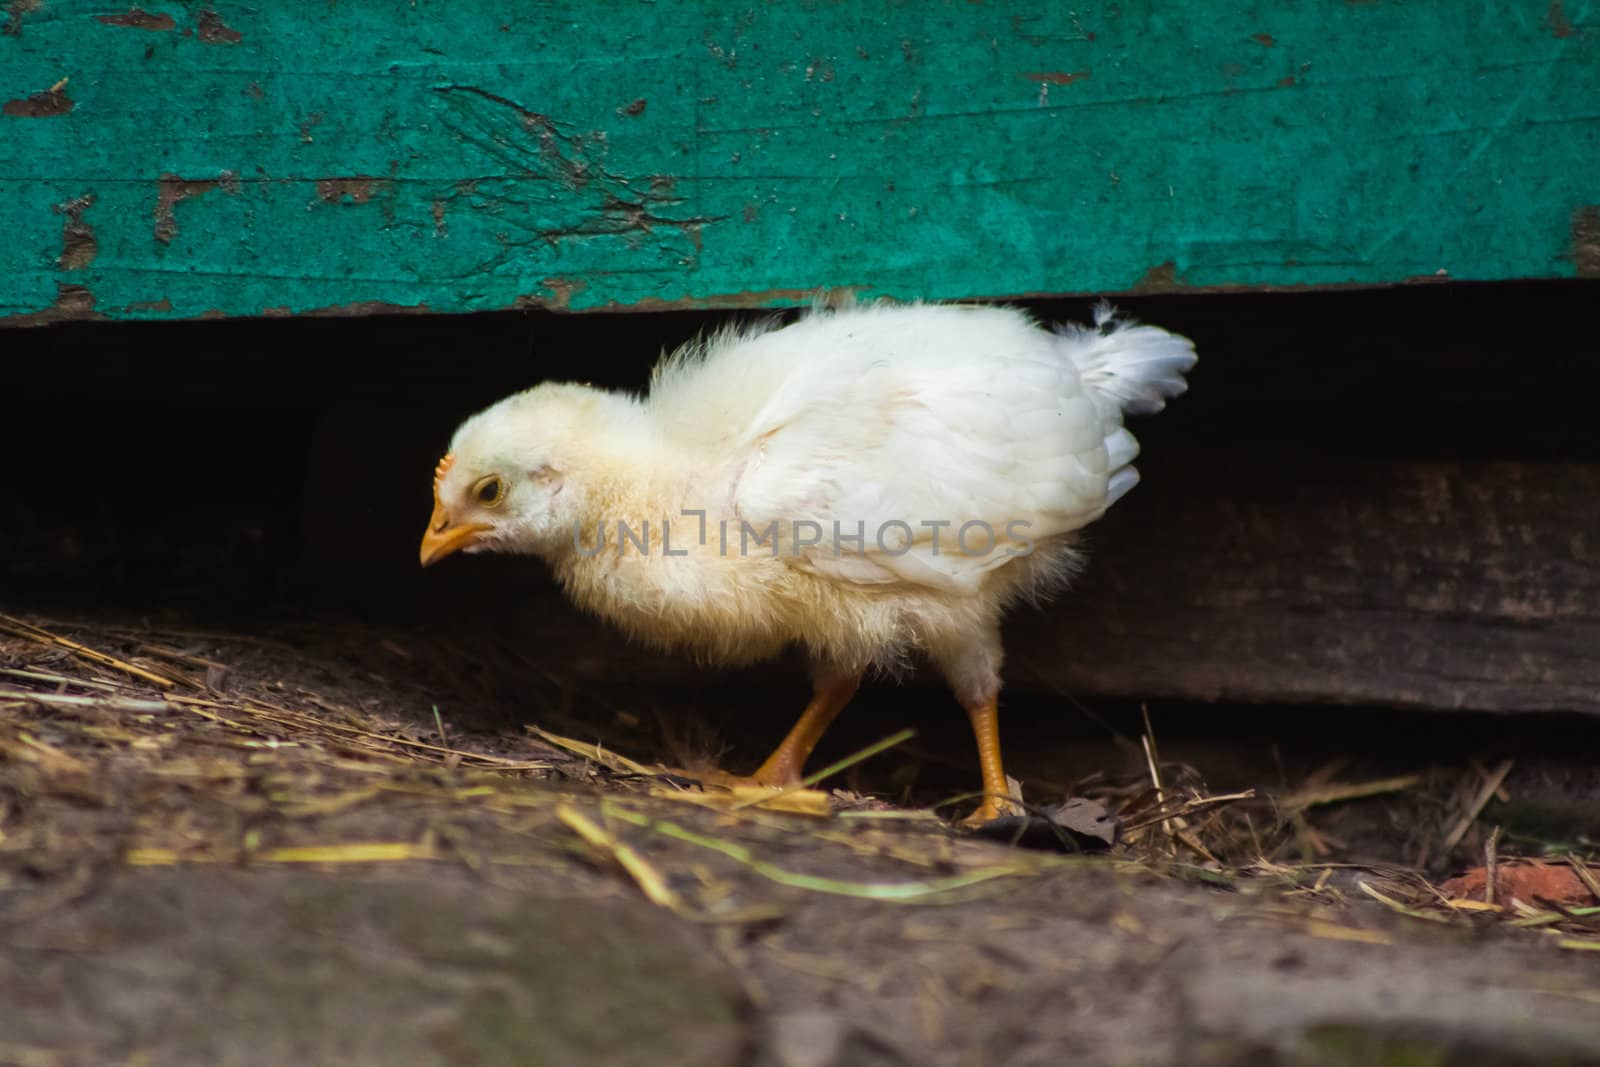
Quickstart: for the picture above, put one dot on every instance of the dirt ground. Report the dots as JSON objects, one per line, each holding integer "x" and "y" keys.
{"x": 318, "y": 842}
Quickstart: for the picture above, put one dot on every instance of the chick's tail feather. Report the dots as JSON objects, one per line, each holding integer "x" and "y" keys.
{"x": 1140, "y": 367}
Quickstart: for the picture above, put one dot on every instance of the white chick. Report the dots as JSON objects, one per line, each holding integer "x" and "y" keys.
{"x": 872, "y": 483}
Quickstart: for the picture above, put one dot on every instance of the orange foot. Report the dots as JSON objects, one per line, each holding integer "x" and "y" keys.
{"x": 782, "y": 768}
{"x": 990, "y": 810}
{"x": 757, "y": 780}
{"x": 985, "y": 716}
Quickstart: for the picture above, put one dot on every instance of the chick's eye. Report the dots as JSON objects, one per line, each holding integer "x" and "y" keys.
{"x": 490, "y": 491}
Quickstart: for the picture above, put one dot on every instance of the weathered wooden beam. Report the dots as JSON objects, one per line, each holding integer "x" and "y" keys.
{"x": 186, "y": 159}
{"x": 1284, "y": 575}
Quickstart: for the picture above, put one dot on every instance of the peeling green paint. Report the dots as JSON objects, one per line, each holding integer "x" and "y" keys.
{"x": 247, "y": 158}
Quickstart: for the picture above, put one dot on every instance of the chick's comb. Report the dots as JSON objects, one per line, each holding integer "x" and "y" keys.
{"x": 439, "y": 472}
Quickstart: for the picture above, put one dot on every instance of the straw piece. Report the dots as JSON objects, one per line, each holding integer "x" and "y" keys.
{"x": 1335, "y": 932}
{"x": 1480, "y": 800}
{"x": 912, "y": 892}
{"x": 1334, "y": 794}
{"x": 764, "y": 796}
{"x": 360, "y": 852}
{"x": 45, "y": 637}
{"x": 649, "y": 880}
{"x": 595, "y": 754}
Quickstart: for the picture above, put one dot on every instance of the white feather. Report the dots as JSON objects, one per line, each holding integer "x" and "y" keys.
{"x": 1141, "y": 367}
{"x": 931, "y": 415}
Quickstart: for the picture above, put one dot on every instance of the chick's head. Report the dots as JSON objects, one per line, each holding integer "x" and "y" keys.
{"x": 506, "y": 484}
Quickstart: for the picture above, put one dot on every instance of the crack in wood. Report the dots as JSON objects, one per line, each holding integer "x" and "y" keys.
{"x": 577, "y": 163}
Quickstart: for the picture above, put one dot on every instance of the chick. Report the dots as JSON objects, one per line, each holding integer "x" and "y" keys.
{"x": 875, "y": 483}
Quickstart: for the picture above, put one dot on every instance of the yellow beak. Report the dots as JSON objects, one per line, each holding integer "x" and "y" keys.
{"x": 442, "y": 539}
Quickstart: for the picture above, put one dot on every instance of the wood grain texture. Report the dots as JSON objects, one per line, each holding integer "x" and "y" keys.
{"x": 1430, "y": 584}
{"x": 180, "y": 159}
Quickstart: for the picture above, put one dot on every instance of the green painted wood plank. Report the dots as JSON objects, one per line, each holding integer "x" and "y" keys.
{"x": 245, "y": 158}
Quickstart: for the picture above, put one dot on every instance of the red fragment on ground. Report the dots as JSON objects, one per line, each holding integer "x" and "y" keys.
{"x": 1531, "y": 882}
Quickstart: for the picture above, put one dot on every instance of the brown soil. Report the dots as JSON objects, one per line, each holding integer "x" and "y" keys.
{"x": 271, "y": 845}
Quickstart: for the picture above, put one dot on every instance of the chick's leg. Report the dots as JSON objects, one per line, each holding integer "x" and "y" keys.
{"x": 985, "y": 717}
{"x": 971, "y": 664}
{"x": 831, "y": 692}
